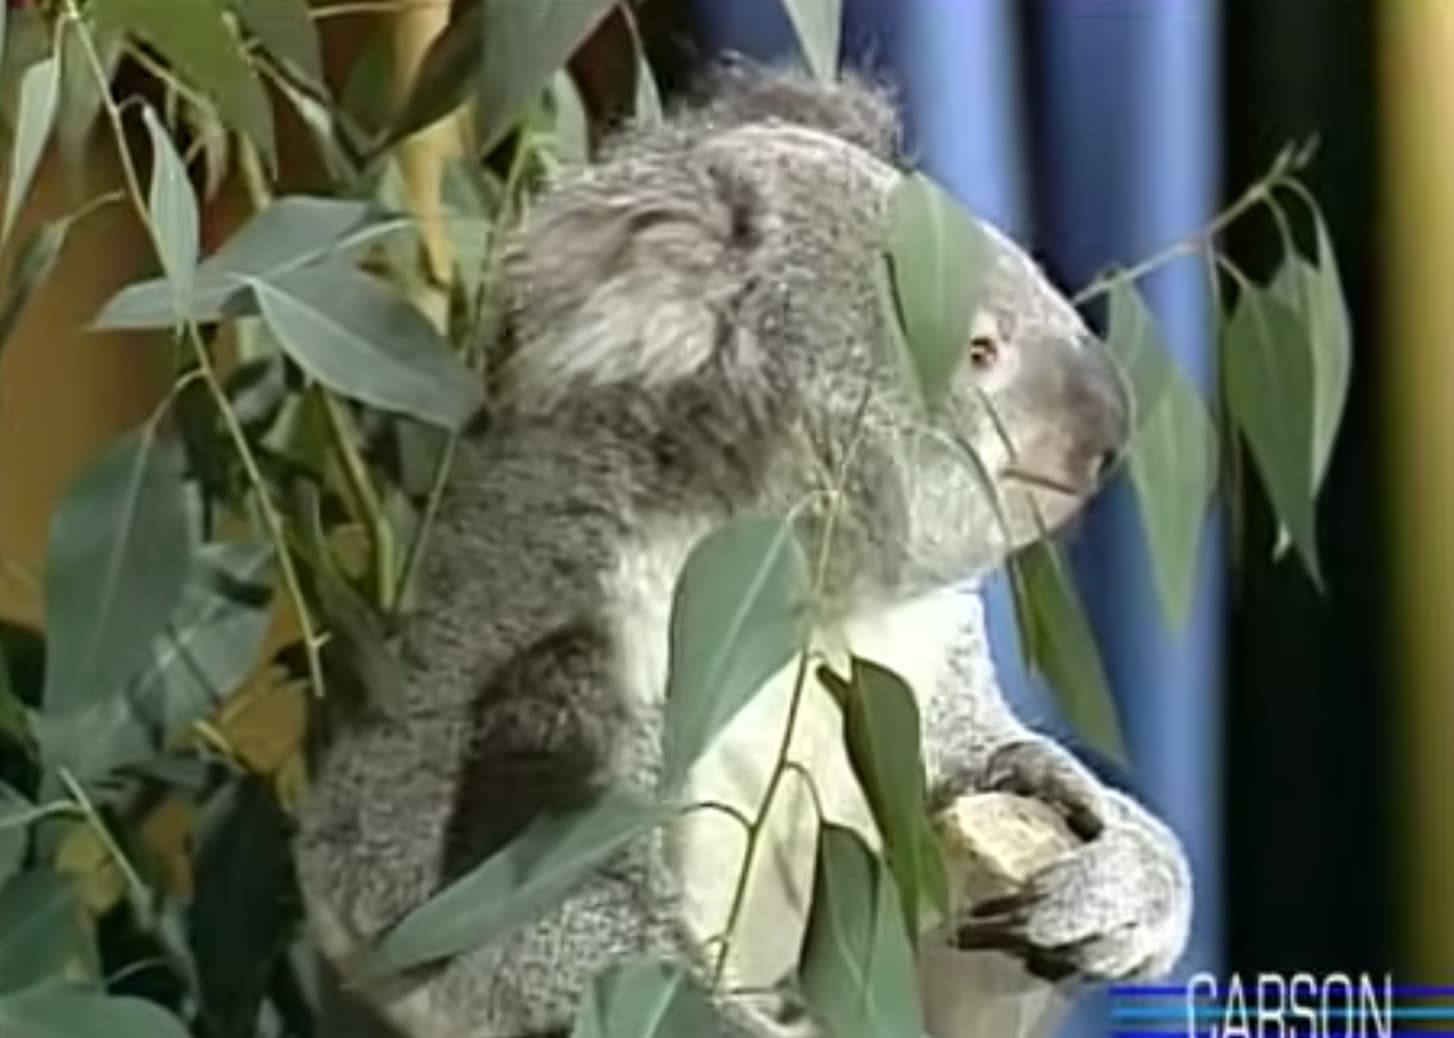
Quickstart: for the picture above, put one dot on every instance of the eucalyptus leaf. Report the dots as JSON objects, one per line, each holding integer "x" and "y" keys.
{"x": 507, "y": 890}
{"x": 857, "y": 969}
{"x": 936, "y": 254}
{"x": 524, "y": 45}
{"x": 881, "y": 728}
{"x": 447, "y": 71}
{"x": 197, "y": 42}
{"x": 739, "y": 615}
{"x": 358, "y": 337}
{"x": 1172, "y": 457}
{"x": 172, "y": 207}
{"x": 14, "y": 831}
{"x": 33, "y": 267}
{"x": 1060, "y": 645}
{"x": 646, "y": 104}
{"x": 819, "y": 26}
{"x": 117, "y": 558}
{"x": 81, "y": 97}
{"x": 571, "y": 129}
{"x": 291, "y": 232}
{"x": 44, "y": 936}
{"x": 286, "y": 30}
{"x": 40, "y": 90}
{"x": 1268, "y": 371}
{"x": 55, "y": 1011}
{"x": 645, "y": 999}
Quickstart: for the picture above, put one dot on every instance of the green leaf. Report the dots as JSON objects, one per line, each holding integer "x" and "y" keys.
{"x": 33, "y": 266}
{"x": 14, "y": 831}
{"x": 1172, "y": 454}
{"x": 207, "y": 648}
{"x": 936, "y": 256}
{"x": 645, "y": 999}
{"x": 524, "y": 46}
{"x": 116, "y": 560}
{"x": 857, "y": 970}
{"x": 44, "y": 936}
{"x": 239, "y": 919}
{"x": 173, "y": 210}
{"x": 291, "y": 232}
{"x": 286, "y": 31}
{"x": 531, "y": 874}
{"x": 1060, "y": 645}
{"x": 39, "y": 92}
{"x": 445, "y": 74}
{"x": 738, "y": 616}
{"x": 81, "y": 97}
{"x": 570, "y": 136}
{"x": 358, "y": 337}
{"x": 50, "y": 1011}
{"x": 196, "y": 41}
{"x": 819, "y": 25}
{"x": 646, "y": 104}
{"x": 881, "y": 728}
{"x": 1268, "y": 372}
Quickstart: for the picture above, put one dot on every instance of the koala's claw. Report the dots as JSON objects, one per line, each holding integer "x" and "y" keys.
{"x": 1041, "y": 770}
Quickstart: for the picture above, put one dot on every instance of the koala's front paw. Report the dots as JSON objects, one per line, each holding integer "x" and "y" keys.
{"x": 1116, "y": 906}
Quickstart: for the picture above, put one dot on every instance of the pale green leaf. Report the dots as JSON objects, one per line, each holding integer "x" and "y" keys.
{"x": 81, "y": 97}
{"x": 1059, "y": 643}
{"x": 172, "y": 207}
{"x": 53, "y": 1011}
{"x": 33, "y": 266}
{"x": 570, "y": 136}
{"x": 360, "y": 338}
{"x": 1172, "y": 453}
{"x": 197, "y": 42}
{"x": 882, "y": 731}
{"x": 530, "y": 875}
{"x": 738, "y": 616}
{"x": 936, "y": 256}
{"x": 39, "y": 93}
{"x": 117, "y": 558}
{"x": 291, "y": 232}
{"x": 524, "y": 45}
{"x": 857, "y": 970}
{"x": 645, "y": 999}
{"x": 646, "y": 104}
{"x": 45, "y": 934}
{"x": 819, "y": 26}
{"x": 1268, "y": 372}
{"x": 286, "y": 30}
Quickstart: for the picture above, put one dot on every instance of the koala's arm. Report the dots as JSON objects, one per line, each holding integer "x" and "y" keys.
{"x": 1120, "y": 906}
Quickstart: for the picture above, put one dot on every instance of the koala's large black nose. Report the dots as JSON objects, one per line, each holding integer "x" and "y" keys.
{"x": 1103, "y": 405}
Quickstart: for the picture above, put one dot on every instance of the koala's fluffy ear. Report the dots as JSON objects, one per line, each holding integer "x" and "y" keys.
{"x": 624, "y": 276}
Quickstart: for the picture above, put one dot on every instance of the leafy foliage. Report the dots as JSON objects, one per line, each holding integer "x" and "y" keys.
{"x": 272, "y": 511}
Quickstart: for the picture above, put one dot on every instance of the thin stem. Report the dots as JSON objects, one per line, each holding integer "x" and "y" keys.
{"x": 38, "y": 814}
{"x": 272, "y": 521}
{"x": 366, "y": 496}
{"x": 722, "y": 808}
{"x": 141, "y": 896}
{"x": 415, "y": 552}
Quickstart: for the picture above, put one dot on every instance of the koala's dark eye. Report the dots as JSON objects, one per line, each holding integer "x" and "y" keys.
{"x": 984, "y": 350}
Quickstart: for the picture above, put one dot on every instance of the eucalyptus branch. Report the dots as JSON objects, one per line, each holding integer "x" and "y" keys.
{"x": 140, "y": 894}
{"x": 272, "y": 520}
{"x": 365, "y": 495}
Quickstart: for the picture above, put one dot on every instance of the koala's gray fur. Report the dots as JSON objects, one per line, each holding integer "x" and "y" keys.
{"x": 695, "y": 333}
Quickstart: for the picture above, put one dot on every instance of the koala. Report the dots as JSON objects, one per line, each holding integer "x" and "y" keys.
{"x": 695, "y": 332}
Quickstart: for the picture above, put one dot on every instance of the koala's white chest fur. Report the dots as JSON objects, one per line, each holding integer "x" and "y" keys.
{"x": 708, "y": 847}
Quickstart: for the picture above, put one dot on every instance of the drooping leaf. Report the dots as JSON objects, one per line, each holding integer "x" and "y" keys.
{"x": 117, "y": 557}
{"x": 881, "y": 728}
{"x": 33, "y": 266}
{"x": 14, "y": 831}
{"x": 209, "y": 644}
{"x": 857, "y": 969}
{"x": 571, "y": 129}
{"x": 50, "y": 1011}
{"x": 361, "y": 339}
{"x": 239, "y": 920}
{"x": 197, "y": 42}
{"x": 80, "y": 100}
{"x": 738, "y": 616}
{"x": 819, "y": 25}
{"x": 524, "y": 45}
{"x": 286, "y": 30}
{"x": 1172, "y": 454}
{"x": 172, "y": 207}
{"x": 44, "y": 936}
{"x": 291, "y": 232}
{"x": 1060, "y": 645}
{"x": 936, "y": 255}
{"x": 646, "y": 106}
{"x": 645, "y": 999}
{"x": 509, "y": 888}
{"x": 39, "y": 93}
{"x": 447, "y": 71}
{"x": 1268, "y": 371}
